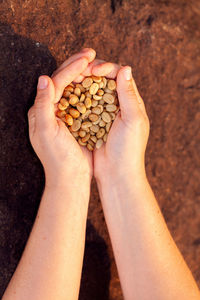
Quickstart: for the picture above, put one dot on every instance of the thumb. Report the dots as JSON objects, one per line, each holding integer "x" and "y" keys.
{"x": 44, "y": 103}
{"x": 128, "y": 95}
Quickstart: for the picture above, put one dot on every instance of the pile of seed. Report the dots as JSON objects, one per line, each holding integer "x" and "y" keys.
{"x": 88, "y": 110}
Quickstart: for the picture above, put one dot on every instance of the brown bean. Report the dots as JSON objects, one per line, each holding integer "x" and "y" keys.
{"x": 108, "y": 91}
{"x": 90, "y": 148}
{"x": 64, "y": 102}
{"x": 74, "y": 113}
{"x": 86, "y": 114}
{"x": 93, "y": 88}
{"x": 93, "y": 117}
{"x": 96, "y": 97}
{"x": 91, "y": 142}
{"x": 76, "y": 125}
{"x": 69, "y": 88}
{"x": 100, "y": 92}
{"x": 68, "y": 119}
{"x": 60, "y": 113}
{"x": 77, "y": 91}
{"x": 78, "y": 85}
{"x": 112, "y": 114}
{"x": 105, "y": 137}
{"x": 73, "y": 99}
{"x": 81, "y": 108}
{"x": 81, "y": 143}
{"x": 108, "y": 126}
{"x": 111, "y": 107}
{"x": 88, "y": 102}
{"x": 102, "y": 123}
{"x": 87, "y": 82}
{"x": 101, "y": 84}
{"x": 82, "y": 98}
{"x": 100, "y": 133}
{"x": 94, "y": 128}
{"x": 97, "y": 121}
{"x": 86, "y": 125}
{"x": 61, "y": 107}
{"x": 96, "y": 78}
{"x": 87, "y": 94}
{"x": 99, "y": 143}
{"x": 104, "y": 82}
{"x": 96, "y": 110}
{"x": 94, "y": 103}
{"x": 75, "y": 134}
{"x": 86, "y": 138}
{"x": 106, "y": 117}
{"x": 108, "y": 98}
{"x": 93, "y": 138}
{"x": 66, "y": 93}
{"x": 82, "y": 133}
{"x": 111, "y": 84}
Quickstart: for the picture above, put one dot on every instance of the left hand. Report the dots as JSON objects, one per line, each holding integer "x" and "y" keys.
{"x": 58, "y": 151}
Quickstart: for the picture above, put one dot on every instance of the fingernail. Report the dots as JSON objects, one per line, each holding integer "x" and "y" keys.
{"x": 42, "y": 83}
{"x": 85, "y": 49}
{"x": 127, "y": 73}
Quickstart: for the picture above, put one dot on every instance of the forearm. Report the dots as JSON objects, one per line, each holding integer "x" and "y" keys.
{"x": 149, "y": 263}
{"x": 51, "y": 265}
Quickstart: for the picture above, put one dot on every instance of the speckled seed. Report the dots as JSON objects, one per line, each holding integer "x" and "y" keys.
{"x": 108, "y": 98}
{"x": 106, "y": 117}
{"x": 93, "y": 117}
{"x": 77, "y": 91}
{"x": 94, "y": 128}
{"x": 74, "y": 113}
{"x": 111, "y": 107}
{"x": 82, "y": 98}
{"x": 61, "y": 107}
{"x": 78, "y": 85}
{"x": 90, "y": 148}
{"x": 94, "y": 88}
{"x": 68, "y": 119}
{"x": 112, "y": 116}
{"x": 81, "y": 107}
{"x": 104, "y": 82}
{"x": 76, "y": 125}
{"x": 75, "y": 134}
{"x": 86, "y": 114}
{"x": 105, "y": 137}
{"x": 91, "y": 142}
{"x": 108, "y": 126}
{"x": 94, "y": 103}
{"x": 87, "y": 94}
{"x": 100, "y": 133}
{"x": 101, "y": 85}
{"x": 93, "y": 138}
{"x": 82, "y": 133}
{"x": 86, "y": 138}
{"x": 64, "y": 102}
{"x": 60, "y": 113}
{"x": 73, "y": 99}
{"x": 87, "y": 82}
{"x": 96, "y": 110}
{"x": 81, "y": 143}
{"x": 111, "y": 85}
{"x": 106, "y": 90}
{"x": 102, "y": 123}
{"x": 69, "y": 88}
{"x": 86, "y": 124}
{"x": 96, "y": 97}
{"x": 97, "y": 121}
{"x": 96, "y": 78}
{"x": 88, "y": 102}
{"x": 99, "y": 143}
{"x": 66, "y": 93}
{"x": 100, "y": 92}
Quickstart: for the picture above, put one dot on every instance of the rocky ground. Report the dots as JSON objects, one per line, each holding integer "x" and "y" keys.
{"x": 160, "y": 39}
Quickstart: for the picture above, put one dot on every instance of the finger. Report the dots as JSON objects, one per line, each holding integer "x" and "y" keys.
{"x": 31, "y": 121}
{"x": 88, "y": 53}
{"x": 88, "y": 70}
{"x": 107, "y": 69}
{"x": 67, "y": 75}
{"x": 79, "y": 79}
{"x": 127, "y": 94}
{"x": 44, "y": 103}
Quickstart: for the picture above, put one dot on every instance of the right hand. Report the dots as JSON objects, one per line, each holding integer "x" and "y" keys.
{"x": 123, "y": 155}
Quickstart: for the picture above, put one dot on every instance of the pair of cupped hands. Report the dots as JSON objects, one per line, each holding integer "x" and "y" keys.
{"x": 63, "y": 159}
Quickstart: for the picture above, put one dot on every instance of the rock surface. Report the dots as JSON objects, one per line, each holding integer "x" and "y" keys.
{"x": 160, "y": 39}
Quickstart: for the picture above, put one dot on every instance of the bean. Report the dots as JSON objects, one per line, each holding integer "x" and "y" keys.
{"x": 74, "y": 113}
{"x": 108, "y": 98}
{"x": 81, "y": 108}
{"x": 94, "y": 88}
{"x": 68, "y": 119}
{"x": 87, "y": 82}
{"x": 76, "y": 125}
{"x": 99, "y": 143}
{"x": 106, "y": 117}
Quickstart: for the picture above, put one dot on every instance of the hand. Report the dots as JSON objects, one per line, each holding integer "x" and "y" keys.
{"x": 58, "y": 151}
{"x": 123, "y": 155}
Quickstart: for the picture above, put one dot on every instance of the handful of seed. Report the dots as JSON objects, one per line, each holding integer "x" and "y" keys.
{"x": 89, "y": 109}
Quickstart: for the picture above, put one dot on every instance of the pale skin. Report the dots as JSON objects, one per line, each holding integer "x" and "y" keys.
{"x": 149, "y": 264}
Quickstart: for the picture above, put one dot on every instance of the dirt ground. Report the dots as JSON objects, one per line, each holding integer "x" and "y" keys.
{"x": 161, "y": 41}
